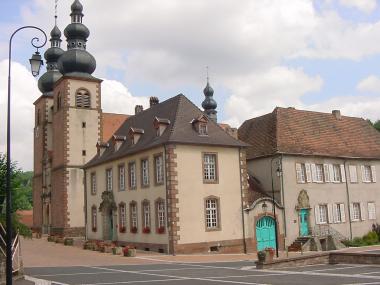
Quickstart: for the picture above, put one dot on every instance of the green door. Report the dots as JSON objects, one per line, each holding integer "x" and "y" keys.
{"x": 265, "y": 233}
{"x": 304, "y": 222}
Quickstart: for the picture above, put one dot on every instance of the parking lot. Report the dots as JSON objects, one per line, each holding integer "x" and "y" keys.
{"x": 239, "y": 272}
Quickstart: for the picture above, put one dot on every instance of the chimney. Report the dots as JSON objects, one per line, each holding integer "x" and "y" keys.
{"x": 153, "y": 101}
{"x": 138, "y": 109}
{"x": 337, "y": 114}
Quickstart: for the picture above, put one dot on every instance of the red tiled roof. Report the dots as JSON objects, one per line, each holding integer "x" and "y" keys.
{"x": 291, "y": 131}
{"x": 26, "y": 217}
{"x": 111, "y": 123}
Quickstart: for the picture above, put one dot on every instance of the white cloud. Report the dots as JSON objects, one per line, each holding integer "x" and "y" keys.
{"x": 366, "y": 107}
{"x": 370, "y": 84}
{"x": 366, "y": 6}
{"x": 259, "y": 93}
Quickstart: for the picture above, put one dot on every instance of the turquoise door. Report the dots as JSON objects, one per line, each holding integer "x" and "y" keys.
{"x": 265, "y": 233}
{"x": 304, "y": 222}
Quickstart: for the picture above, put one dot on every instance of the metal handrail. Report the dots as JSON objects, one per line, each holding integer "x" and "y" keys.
{"x": 16, "y": 264}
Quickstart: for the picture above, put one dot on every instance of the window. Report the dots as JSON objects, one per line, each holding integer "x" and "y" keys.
{"x": 133, "y": 215}
{"x": 353, "y": 173}
{"x": 368, "y": 173}
{"x": 132, "y": 175}
{"x": 203, "y": 129}
{"x": 122, "y": 218}
{"x": 93, "y": 183}
{"x": 146, "y": 216}
{"x": 82, "y": 99}
{"x": 336, "y": 173}
{"x": 159, "y": 169}
{"x": 339, "y": 214}
{"x": 121, "y": 177}
{"x": 93, "y": 219}
{"x": 209, "y": 167}
{"x": 109, "y": 179}
{"x": 371, "y": 211}
{"x": 300, "y": 173}
{"x": 323, "y": 215}
{"x": 160, "y": 219}
{"x": 84, "y": 152}
{"x": 212, "y": 213}
{"x": 144, "y": 172}
{"x": 356, "y": 213}
{"x": 319, "y": 173}
{"x": 83, "y": 125}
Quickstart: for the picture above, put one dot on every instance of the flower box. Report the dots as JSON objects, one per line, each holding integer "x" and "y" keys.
{"x": 161, "y": 230}
{"x": 269, "y": 254}
{"x": 134, "y": 230}
{"x": 129, "y": 251}
{"x": 146, "y": 230}
{"x": 122, "y": 229}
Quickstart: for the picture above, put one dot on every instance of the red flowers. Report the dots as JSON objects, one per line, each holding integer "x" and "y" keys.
{"x": 146, "y": 230}
{"x": 134, "y": 230}
{"x": 122, "y": 229}
{"x": 161, "y": 230}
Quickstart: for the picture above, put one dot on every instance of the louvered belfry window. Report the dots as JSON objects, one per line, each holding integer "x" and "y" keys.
{"x": 83, "y": 99}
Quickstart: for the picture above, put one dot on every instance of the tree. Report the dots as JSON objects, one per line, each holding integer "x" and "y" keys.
{"x": 20, "y": 194}
{"x": 376, "y": 124}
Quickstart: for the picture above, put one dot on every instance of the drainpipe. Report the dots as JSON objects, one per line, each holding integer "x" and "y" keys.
{"x": 85, "y": 204}
{"x": 242, "y": 204}
{"x": 274, "y": 205}
{"x": 282, "y": 194}
{"x": 348, "y": 199}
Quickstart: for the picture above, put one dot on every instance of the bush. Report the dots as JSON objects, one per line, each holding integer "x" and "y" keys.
{"x": 371, "y": 238}
{"x": 376, "y": 229}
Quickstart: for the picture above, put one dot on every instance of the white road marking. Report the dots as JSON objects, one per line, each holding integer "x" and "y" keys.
{"x": 42, "y": 281}
{"x": 173, "y": 276}
{"x": 137, "y": 281}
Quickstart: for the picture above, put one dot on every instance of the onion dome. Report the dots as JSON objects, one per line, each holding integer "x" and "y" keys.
{"x": 76, "y": 61}
{"x": 50, "y": 77}
{"x": 209, "y": 104}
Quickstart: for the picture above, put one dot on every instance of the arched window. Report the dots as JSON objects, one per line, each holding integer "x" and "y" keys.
{"x": 82, "y": 99}
{"x": 133, "y": 216}
{"x": 146, "y": 216}
{"x": 160, "y": 216}
{"x": 212, "y": 213}
{"x": 122, "y": 218}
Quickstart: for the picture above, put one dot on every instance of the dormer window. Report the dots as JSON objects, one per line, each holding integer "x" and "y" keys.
{"x": 118, "y": 141}
{"x": 101, "y": 147}
{"x": 160, "y": 125}
{"x": 203, "y": 129}
{"x": 200, "y": 125}
{"x": 135, "y": 134}
{"x": 82, "y": 99}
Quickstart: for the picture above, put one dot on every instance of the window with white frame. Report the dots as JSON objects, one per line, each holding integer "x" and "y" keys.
{"x": 323, "y": 214}
{"x": 339, "y": 214}
{"x": 159, "y": 169}
{"x": 93, "y": 183}
{"x": 109, "y": 179}
{"x": 203, "y": 129}
{"x": 212, "y": 213}
{"x": 93, "y": 218}
{"x": 132, "y": 175}
{"x": 133, "y": 215}
{"x": 319, "y": 173}
{"x": 146, "y": 214}
{"x": 144, "y": 172}
{"x": 121, "y": 177}
{"x": 161, "y": 214}
{"x": 209, "y": 167}
{"x": 336, "y": 177}
{"x": 300, "y": 173}
{"x": 122, "y": 217}
{"x": 353, "y": 173}
{"x": 366, "y": 173}
{"x": 371, "y": 211}
{"x": 356, "y": 214}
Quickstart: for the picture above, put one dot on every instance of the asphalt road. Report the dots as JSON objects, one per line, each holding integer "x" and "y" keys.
{"x": 242, "y": 272}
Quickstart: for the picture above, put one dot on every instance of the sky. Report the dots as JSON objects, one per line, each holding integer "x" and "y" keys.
{"x": 316, "y": 55}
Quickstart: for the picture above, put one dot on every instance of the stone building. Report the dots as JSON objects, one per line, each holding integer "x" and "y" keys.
{"x": 68, "y": 123}
{"x": 170, "y": 179}
{"x": 321, "y": 169}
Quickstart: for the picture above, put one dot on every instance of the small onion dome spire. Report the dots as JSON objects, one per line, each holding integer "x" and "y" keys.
{"x": 76, "y": 61}
{"x": 209, "y": 104}
{"x": 50, "y": 77}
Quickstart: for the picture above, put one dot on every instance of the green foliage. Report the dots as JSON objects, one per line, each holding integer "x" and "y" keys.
{"x": 376, "y": 124}
{"x": 17, "y": 226}
{"x": 21, "y": 185}
{"x": 371, "y": 238}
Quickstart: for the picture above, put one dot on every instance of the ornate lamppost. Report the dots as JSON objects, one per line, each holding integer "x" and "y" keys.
{"x": 35, "y": 64}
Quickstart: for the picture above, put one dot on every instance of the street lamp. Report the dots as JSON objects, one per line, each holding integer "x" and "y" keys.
{"x": 35, "y": 63}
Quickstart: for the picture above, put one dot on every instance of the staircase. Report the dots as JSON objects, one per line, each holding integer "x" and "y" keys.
{"x": 298, "y": 243}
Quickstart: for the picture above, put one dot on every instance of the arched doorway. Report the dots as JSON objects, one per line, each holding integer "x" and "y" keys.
{"x": 108, "y": 209}
{"x": 265, "y": 233}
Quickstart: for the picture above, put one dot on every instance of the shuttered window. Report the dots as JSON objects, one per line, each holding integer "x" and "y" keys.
{"x": 82, "y": 99}
{"x": 353, "y": 174}
{"x": 371, "y": 211}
